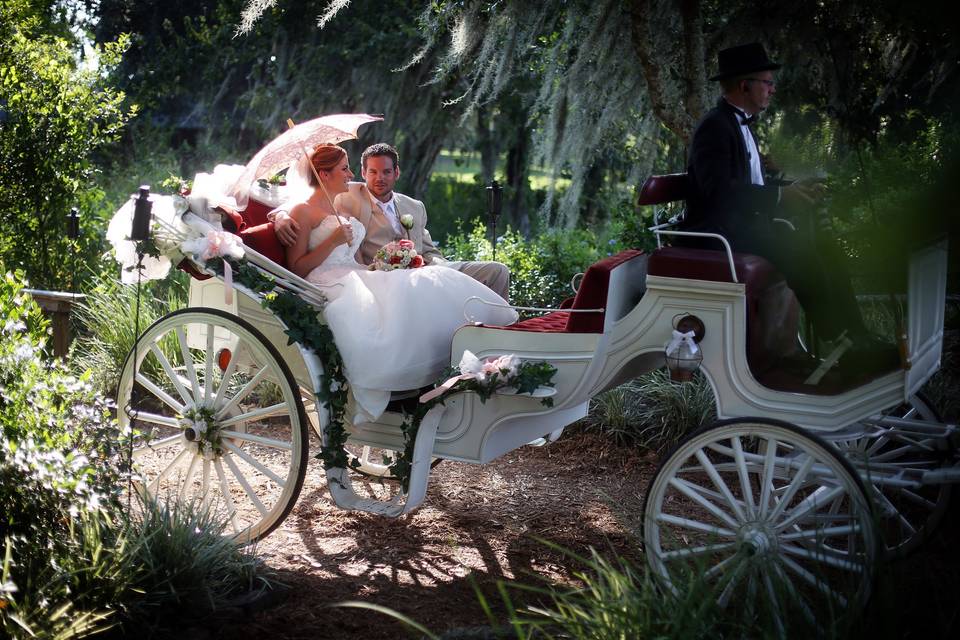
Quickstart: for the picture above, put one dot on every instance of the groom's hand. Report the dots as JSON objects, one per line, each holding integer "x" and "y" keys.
{"x": 286, "y": 228}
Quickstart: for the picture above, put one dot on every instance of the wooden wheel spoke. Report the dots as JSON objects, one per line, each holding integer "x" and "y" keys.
{"x": 816, "y": 500}
{"x": 280, "y": 409}
{"x": 153, "y": 486}
{"x": 767, "y": 479}
{"x": 735, "y": 577}
{"x": 796, "y": 598}
{"x": 165, "y": 397}
{"x": 915, "y": 498}
{"x": 156, "y": 418}
{"x": 721, "y": 486}
{"x": 690, "y": 552}
{"x": 692, "y": 491}
{"x": 695, "y": 525}
{"x": 244, "y": 484}
{"x": 792, "y": 488}
{"x": 228, "y": 374}
{"x": 208, "y": 363}
{"x": 743, "y": 474}
{"x": 188, "y": 479}
{"x": 813, "y": 581}
{"x": 253, "y": 462}
{"x": 156, "y": 445}
{"x": 174, "y": 378}
{"x": 824, "y": 555}
{"x": 819, "y": 534}
{"x": 188, "y": 364}
{"x": 227, "y": 499}
{"x": 243, "y": 393}
{"x": 249, "y": 437}
{"x": 775, "y": 605}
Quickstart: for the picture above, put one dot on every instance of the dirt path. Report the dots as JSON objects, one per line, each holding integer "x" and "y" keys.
{"x": 477, "y": 526}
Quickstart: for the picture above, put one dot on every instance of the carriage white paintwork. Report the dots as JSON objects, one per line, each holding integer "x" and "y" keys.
{"x": 786, "y": 488}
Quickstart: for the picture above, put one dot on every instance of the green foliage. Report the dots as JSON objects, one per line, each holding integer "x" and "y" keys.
{"x": 541, "y": 268}
{"x": 652, "y": 411}
{"x": 107, "y": 317}
{"x": 55, "y": 119}
{"x": 187, "y": 566}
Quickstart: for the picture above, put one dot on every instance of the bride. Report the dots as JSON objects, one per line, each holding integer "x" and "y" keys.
{"x": 392, "y": 328}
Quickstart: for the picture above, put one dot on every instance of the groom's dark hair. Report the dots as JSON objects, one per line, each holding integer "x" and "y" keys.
{"x": 380, "y": 149}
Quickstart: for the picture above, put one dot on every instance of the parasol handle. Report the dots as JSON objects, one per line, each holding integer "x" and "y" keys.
{"x": 316, "y": 174}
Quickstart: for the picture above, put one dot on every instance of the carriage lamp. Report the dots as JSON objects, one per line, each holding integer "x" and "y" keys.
{"x": 142, "y": 213}
{"x": 73, "y": 224}
{"x": 494, "y": 207}
{"x": 683, "y": 354}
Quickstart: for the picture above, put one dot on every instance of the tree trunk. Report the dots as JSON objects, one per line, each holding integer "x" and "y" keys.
{"x": 518, "y": 160}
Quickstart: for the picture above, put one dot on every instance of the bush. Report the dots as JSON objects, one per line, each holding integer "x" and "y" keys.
{"x": 74, "y": 561}
{"x": 652, "y": 411}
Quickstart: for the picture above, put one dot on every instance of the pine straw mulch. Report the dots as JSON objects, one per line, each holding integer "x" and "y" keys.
{"x": 479, "y": 525}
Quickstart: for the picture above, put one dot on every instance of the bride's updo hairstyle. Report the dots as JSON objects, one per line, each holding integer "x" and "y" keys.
{"x": 325, "y": 157}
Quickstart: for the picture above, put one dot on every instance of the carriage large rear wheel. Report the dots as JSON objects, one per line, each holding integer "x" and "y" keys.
{"x": 774, "y": 519}
{"x": 218, "y": 422}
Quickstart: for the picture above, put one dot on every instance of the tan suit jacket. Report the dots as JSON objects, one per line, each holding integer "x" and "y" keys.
{"x": 357, "y": 201}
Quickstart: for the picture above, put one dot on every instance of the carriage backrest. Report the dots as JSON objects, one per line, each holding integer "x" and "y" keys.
{"x": 256, "y": 231}
{"x": 614, "y": 284}
{"x": 663, "y": 189}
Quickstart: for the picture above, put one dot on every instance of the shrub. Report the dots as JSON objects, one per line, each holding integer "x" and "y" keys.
{"x": 652, "y": 411}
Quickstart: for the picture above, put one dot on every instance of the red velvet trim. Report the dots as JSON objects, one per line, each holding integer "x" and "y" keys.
{"x": 555, "y": 322}
{"x": 256, "y": 213}
{"x": 706, "y": 264}
{"x": 663, "y": 189}
{"x": 592, "y": 293}
{"x": 187, "y": 267}
{"x": 263, "y": 239}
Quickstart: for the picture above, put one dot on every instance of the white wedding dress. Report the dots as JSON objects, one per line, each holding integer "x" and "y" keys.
{"x": 394, "y": 329}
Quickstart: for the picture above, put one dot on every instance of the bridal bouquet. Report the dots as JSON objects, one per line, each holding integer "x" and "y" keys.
{"x": 396, "y": 255}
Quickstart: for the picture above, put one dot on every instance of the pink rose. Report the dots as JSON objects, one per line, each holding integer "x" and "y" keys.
{"x": 406, "y": 244}
{"x": 416, "y": 262}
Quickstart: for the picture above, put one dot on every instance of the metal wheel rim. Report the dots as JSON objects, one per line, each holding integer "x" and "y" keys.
{"x": 903, "y": 528}
{"x": 253, "y": 477}
{"x": 822, "y": 560}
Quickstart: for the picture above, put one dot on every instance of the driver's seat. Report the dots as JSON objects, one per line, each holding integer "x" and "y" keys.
{"x": 772, "y": 309}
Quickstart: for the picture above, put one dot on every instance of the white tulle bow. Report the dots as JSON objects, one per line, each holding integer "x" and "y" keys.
{"x": 679, "y": 338}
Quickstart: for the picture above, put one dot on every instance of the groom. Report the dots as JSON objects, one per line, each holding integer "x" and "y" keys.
{"x": 382, "y": 212}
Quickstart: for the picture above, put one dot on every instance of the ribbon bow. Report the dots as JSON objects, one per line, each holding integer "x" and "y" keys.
{"x": 680, "y": 337}
{"x": 472, "y": 367}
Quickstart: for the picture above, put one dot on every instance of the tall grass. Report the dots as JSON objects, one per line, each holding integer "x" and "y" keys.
{"x": 652, "y": 411}
{"x": 107, "y": 319}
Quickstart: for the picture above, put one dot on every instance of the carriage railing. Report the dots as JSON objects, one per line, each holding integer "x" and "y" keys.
{"x": 661, "y": 229}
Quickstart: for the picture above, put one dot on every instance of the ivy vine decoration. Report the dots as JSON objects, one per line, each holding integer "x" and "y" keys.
{"x": 485, "y": 378}
{"x": 303, "y": 327}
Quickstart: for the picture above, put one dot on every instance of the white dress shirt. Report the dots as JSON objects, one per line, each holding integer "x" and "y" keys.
{"x": 753, "y": 153}
{"x": 389, "y": 209}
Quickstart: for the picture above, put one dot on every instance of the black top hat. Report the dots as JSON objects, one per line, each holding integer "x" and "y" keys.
{"x": 742, "y": 59}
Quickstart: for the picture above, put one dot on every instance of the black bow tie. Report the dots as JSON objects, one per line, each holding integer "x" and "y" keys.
{"x": 745, "y": 119}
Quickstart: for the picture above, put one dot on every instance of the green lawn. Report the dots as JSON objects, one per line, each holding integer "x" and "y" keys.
{"x": 463, "y": 166}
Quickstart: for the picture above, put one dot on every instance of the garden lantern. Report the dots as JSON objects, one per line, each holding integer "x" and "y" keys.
{"x": 683, "y": 354}
{"x": 73, "y": 224}
{"x": 142, "y": 213}
{"x": 494, "y": 206}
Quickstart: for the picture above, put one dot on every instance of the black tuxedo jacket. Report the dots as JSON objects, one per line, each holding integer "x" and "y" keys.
{"x": 721, "y": 198}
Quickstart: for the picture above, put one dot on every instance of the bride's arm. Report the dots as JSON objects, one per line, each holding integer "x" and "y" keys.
{"x": 302, "y": 260}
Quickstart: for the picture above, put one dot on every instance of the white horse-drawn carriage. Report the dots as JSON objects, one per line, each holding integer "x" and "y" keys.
{"x": 796, "y": 485}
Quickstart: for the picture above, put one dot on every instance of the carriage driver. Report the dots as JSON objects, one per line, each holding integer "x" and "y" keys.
{"x": 729, "y": 195}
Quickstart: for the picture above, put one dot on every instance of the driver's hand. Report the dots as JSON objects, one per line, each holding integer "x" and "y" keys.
{"x": 286, "y": 228}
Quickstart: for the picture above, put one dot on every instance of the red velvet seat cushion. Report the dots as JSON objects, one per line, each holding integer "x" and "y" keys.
{"x": 705, "y": 264}
{"x": 263, "y": 239}
{"x": 591, "y": 295}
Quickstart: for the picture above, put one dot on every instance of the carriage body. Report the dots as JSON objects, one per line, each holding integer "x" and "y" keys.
{"x": 616, "y": 329}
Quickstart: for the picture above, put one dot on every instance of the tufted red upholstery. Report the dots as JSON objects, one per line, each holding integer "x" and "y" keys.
{"x": 591, "y": 295}
{"x": 772, "y": 309}
{"x": 263, "y": 239}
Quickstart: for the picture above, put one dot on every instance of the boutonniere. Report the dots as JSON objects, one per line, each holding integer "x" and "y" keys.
{"x": 406, "y": 221}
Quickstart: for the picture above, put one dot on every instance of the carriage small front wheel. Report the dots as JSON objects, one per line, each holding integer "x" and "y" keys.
{"x": 218, "y": 421}
{"x": 772, "y": 516}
